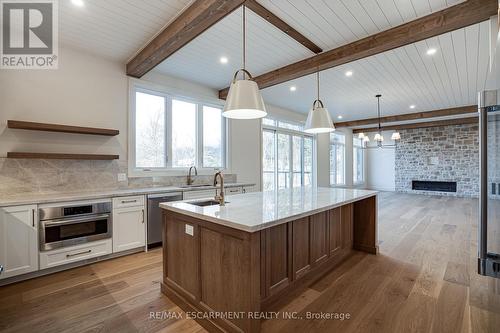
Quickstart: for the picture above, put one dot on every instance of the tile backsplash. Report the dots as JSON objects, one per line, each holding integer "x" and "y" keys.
{"x": 19, "y": 176}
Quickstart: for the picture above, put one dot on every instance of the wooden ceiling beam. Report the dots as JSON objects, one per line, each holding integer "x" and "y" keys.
{"x": 193, "y": 21}
{"x": 282, "y": 25}
{"x": 411, "y": 116}
{"x": 452, "y": 18}
{"x": 447, "y": 122}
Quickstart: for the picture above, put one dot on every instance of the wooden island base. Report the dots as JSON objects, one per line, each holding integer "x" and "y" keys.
{"x": 225, "y": 278}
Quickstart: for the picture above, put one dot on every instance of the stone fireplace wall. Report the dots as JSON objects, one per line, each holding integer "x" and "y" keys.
{"x": 448, "y": 153}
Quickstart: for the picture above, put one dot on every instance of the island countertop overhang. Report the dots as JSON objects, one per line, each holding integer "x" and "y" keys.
{"x": 255, "y": 211}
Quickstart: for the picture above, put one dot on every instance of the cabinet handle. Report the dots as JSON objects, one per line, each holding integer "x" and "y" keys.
{"x": 128, "y": 201}
{"x": 33, "y": 217}
{"x": 143, "y": 216}
{"x": 77, "y": 254}
{"x": 1, "y": 269}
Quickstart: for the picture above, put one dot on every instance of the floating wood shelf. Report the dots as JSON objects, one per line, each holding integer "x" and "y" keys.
{"x": 62, "y": 156}
{"x": 26, "y": 125}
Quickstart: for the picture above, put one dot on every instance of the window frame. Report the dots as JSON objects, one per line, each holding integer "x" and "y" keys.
{"x": 359, "y": 147}
{"x": 335, "y": 145}
{"x": 169, "y": 95}
{"x": 276, "y": 130}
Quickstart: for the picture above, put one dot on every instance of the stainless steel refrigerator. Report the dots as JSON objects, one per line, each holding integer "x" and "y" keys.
{"x": 489, "y": 219}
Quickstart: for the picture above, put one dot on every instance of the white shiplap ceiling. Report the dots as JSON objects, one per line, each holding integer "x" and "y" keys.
{"x": 267, "y": 48}
{"x": 404, "y": 76}
{"x": 332, "y": 23}
{"x": 115, "y": 29}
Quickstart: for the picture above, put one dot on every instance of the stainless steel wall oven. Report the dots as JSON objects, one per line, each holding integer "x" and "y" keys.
{"x": 72, "y": 224}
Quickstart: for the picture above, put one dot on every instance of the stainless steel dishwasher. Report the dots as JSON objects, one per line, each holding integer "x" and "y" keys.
{"x": 155, "y": 214}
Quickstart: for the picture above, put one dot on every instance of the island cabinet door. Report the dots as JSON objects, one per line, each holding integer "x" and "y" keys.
{"x": 301, "y": 261}
{"x": 181, "y": 248}
{"x": 276, "y": 259}
{"x": 319, "y": 238}
{"x": 335, "y": 231}
{"x": 347, "y": 226}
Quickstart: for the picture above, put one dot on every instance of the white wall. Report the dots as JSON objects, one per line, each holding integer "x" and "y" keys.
{"x": 84, "y": 91}
{"x": 380, "y": 165}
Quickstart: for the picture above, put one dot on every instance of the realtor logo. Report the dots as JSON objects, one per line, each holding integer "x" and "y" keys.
{"x": 29, "y": 34}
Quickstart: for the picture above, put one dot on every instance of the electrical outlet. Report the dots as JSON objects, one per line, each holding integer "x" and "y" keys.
{"x": 122, "y": 177}
{"x": 189, "y": 230}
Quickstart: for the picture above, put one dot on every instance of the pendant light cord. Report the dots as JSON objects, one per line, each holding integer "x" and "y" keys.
{"x": 317, "y": 79}
{"x": 378, "y": 107}
{"x": 244, "y": 42}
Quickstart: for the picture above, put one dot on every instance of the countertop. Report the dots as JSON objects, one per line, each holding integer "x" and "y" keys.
{"x": 43, "y": 198}
{"x": 260, "y": 210}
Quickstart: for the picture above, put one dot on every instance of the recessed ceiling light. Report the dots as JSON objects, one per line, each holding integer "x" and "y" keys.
{"x": 348, "y": 73}
{"x": 223, "y": 60}
{"x": 78, "y": 3}
{"x": 431, "y": 51}
{"x": 412, "y": 106}
{"x": 293, "y": 88}
{"x": 339, "y": 117}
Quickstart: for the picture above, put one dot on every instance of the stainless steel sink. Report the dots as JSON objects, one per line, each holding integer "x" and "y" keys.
{"x": 196, "y": 185}
{"x": 205, "y": 203}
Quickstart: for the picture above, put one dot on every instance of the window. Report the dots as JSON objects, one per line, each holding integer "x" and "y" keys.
{"x": 337, "y": 159}
{"x": 287, "y": 155}
{"x": 183, "y": 134}
{"x": 358, "y": 161}
{"x": 150, "y": 131}
{"x": 170, "y": 133}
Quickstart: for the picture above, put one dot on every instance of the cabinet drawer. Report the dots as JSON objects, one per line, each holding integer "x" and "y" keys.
{"x": 198, "y": 194}
{"x": 75, "y": 253}
{"x": 233, "y": 190}
{"x": 123, "y": 202}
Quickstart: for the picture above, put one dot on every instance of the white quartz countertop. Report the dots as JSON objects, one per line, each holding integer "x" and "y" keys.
{"x": 42, "y": 198}
{"x": 260, "y": 210}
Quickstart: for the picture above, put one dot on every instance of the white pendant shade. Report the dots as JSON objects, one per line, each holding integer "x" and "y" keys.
{"x": 366, "y": 138}
{"x": 361, "y": 135}
{"x": 244, "y": 101}
{"x": 395, "y": 136}
{"x": 319, "y": 121}
{"x": 378, "y": 137}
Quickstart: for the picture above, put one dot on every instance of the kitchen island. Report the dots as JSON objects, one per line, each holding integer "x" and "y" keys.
{"x": 228, "y": 265}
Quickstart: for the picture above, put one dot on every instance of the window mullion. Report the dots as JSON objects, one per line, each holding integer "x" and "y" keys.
{"x": 168, "y": 132}
{"x": 275, "y": 160}
{"x": 199, "y": 136}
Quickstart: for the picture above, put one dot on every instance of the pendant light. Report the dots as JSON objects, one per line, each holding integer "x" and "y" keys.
{"x": 379, "y": 138}
{"x": 318, "y": 119}
{"x": 244, "y": 100}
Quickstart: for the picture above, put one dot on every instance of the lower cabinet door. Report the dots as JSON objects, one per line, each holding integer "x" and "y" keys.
{"x": 301, "y": 247}
{"x": 18, "y": 240}
{"x": 129, "y": 228}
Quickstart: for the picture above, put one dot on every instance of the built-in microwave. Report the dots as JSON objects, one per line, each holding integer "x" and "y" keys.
{"x": 72, "y": 224}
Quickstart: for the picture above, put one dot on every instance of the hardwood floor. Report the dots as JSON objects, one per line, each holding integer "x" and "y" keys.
{"x": 424, "y": 280}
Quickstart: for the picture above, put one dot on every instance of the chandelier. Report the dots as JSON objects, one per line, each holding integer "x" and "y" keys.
{"x": 379, "y": 138}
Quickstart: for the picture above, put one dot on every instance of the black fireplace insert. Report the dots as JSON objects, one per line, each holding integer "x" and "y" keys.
{"x": 429, "y": 185}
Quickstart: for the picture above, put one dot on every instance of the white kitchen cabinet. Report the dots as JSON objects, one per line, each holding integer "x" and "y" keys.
{"x": 71, "y": 254}
{"x": 129, "y": 225}
{"x": 233, "y": 190}
{"x": 188, "y": 195}
{"x": 18, "y": 240}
